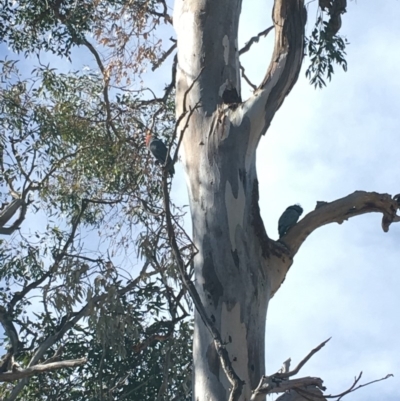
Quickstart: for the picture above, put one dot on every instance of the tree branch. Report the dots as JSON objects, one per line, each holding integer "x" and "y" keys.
{"x": 8, "y": 211}
{"x": 307, "y": 394}
{"x": 245, "y": 77}
{"x": 163, "y": 57}
{"x": 279, "y": 383}
{"x": 355, "y": 204}
{"x": 18, "y": 374}
{"x": 254, "y": 39}
{"x": 269, "y": 384}
{"x": 289, "y": 21}
{"x": 293, "y": 372}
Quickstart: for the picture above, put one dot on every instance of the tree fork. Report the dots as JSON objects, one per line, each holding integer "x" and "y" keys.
{"x": 235, "y": 276}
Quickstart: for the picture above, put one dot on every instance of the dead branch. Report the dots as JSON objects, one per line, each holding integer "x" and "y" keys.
{"x": 354, "y": 388}
{"x": 172, "y": 84}
{"x": 279, "y": 383}
{"x": 270, "y": 384}
{"x": 244, "y": 76}
{"x": 309, "y": 394}
{"x": 18, "y": 374}
{"x": 163, "y": 57}
{"x": 296, "y": 370}
{"x": 255, "y": 39}
{"x": 302, "y": 389}
{"x": 355, "y": 204}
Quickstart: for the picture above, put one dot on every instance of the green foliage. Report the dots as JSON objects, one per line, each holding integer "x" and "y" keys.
{"x": 88, "y": 271}
{"x": 58, "y": 25}
{"x": 324, "y": 50}
{"x": 109, "y": 376}
{"x": 96, "y": 193}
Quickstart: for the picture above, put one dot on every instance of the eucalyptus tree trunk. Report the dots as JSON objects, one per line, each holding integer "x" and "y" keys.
{"x": 237, "y": 268}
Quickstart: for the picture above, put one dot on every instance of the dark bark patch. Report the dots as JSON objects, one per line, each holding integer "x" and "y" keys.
{"x": 242, "y": 176}
{"x": 235, "y": 258}
{"x": 212, "y": 359}
{"x": 231, "y": 96}
{"x": 212, "y": 284}
{"x": 257, "y": 221}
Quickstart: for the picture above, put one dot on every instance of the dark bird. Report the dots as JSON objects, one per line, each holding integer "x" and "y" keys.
{"x": 288, "y": 219}
{"x": 159, "y": 151}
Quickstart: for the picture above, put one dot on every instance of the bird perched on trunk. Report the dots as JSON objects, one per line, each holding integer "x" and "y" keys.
{"x": 288, "y": 219}
{"x": 159, "y": 151}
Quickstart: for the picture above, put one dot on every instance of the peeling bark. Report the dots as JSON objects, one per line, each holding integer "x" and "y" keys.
{"x": 237, "y": 267}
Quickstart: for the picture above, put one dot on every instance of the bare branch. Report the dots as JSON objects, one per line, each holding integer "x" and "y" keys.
{"x": 354, "y": 388}
{"x": 302, "y": 362}
{"x": 270, "y": 384}
{"x": 18, "y": 374}
{"x": 171, "y": 86}
{"x": 255, "y": 39}
{"x": 278, "y": 383}
{"x": 355, "y": 204}
{"x": 247, "y": 79}
{"x": 164, "y": 56}
{"x": 302, "y": 389}
{"x": 310, "y": 393}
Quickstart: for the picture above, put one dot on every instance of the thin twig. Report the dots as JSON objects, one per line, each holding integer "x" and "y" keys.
{"x": 164, "y": 56}
{"x": 185, "y": 127}
{"x": 171, "y": 86}
{"x": 255, "y": 39}
{"x": 302, "y": 362}
{"x": 179, "y": 120}
{"x": 352, "y": 388}
{"x": 246, "y": 78}
{"x": 106, "y": 80}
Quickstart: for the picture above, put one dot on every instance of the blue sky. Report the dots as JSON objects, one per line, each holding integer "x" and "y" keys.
{"x": 322, "y": 145}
